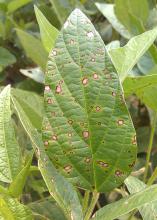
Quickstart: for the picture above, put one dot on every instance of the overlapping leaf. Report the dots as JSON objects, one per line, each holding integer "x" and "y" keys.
{"x": 126, "y": 205}
{"x": 10, "y": 157}
{"x": 87, "y": 120}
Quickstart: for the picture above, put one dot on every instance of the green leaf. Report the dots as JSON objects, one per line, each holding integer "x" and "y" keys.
{"x": 64, "y": 8}
{"x": 128, "y": 11}
{"x": 48, "y": 32}
{"x": 126, "y": 57}
{"x": 6, "y": 58}
{"x": 80, "y": 125}
{"x": 10, "y": 156}
{"x": 33, "y": 48}
{"x": 126, "y": 205}
{"x": 138, "y": 84}
{"x": 16, "y": 4}
{"x": 32, "y": 105}
{"x": 108, "y": 11}
{"x": 145, "y": 87}
{"x": 11, "y": 209}
{"x": 148, "y": 211}
{"x": 61, "y": 190}
{"x": 34, "y": 73}
{"x": 16, "y": 187}
{"x": 48, "y": 209}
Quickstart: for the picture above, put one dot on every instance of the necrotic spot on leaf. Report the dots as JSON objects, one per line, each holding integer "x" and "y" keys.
{"x": 118, "y": 173}
{"x": 86, "y": 134}
{"x": 58, "y": 89}
{"x": 85, "y": 81}
{"x": 95, "y": 76}
{"x": 68, "y": 168}
{"x": 54, "y": 137}
{"x": 102, "y": 164}
{"x": 46, "y": 143}
{"x": 47, "y": 88}
{"x": 54, "y": 52}
{"x": 120, "y": 122}
{"x": 98, "y": 108}
{"x": 90, "y": 35}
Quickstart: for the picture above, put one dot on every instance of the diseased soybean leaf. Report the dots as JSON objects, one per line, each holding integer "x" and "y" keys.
{"x": 148, "y": 211}
{"x": 47, "y": 31}
{"x": 126, "y": 205}
{"x": 124, "y": 58}
{"x": 87, "y": 131}
{"x": 61, "y": 190}
{"x": 10, "y": 155}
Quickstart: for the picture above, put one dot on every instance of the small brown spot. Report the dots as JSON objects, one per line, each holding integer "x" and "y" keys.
{"x": 85, "y": 81}
{"x": 46, "y": 143}
{"x": 61, "y": 82}
{"x": 103, "y": 164}
{"x": 86, "y": 134}
{"x": 134, "y": 141}
{"x": 47, "y": 88}
{"x": 54, "y": 52}
{"x": 132, "y": 164}
{"x": 87, "y": 160}
{"x": 113, "y": 94}
{"x": 68, "y": 168}
{"x": 69, "y": 134}
{"x": 90, "y": 35}
{"x": 120, "y": 122}
{"x": 95, "y": 76}
{"x": 108, "y": 76}
{"x": 54, "y": 137}
{"x": 93, "y": 59}
{"x": 72, "y": 41}
{"x": 58, "y": 89}
{"x": 70, "y": 122}
{"x": 99, "y": 123}
{"x": 49, "y": 101}
{"x": 118, "y": 173}
{"x": 97, "y": 108}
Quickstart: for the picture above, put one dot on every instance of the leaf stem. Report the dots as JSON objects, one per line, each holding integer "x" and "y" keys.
{"x": 86, "y": 201}
{"x": 152, "y": 178}
{"x": 150, "y": 146}
{"x": 92, "y": 205}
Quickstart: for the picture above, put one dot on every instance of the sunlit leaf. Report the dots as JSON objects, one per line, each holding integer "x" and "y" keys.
{"x": 125, "y": 58}
{"x": 10, "y": 156}
{"x": 48, "y": 32}
{"x": 128, "y": 204}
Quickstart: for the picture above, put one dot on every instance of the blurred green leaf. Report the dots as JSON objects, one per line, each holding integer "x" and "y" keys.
{"x": 10, "y": 155}
{"x": 148, "y": 211}
{"x": 48, "y": 209}
{"x": 48, "y": 32}
{"x": 16, "y": 4}
{"x": 124, "y": 58}
{"x": 130, "y": 11}
{"x": 32, "y": 104}
{"x": 11, "y": 209}
{"x": 33, "y": 48}
{"x": 16, "y": 187}
{"x": 127, "y": 204}
{"x": 108, "y": 11}
{"x": 6, "y": 58}
{"x": 145, "y": 87}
